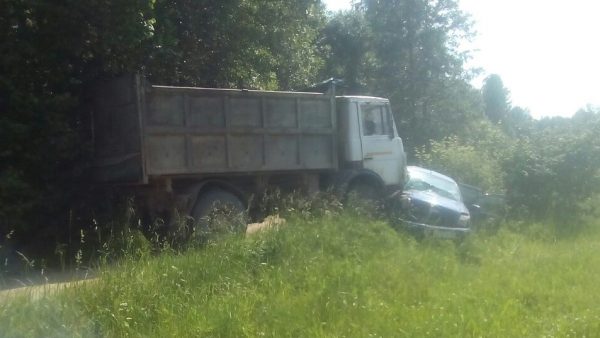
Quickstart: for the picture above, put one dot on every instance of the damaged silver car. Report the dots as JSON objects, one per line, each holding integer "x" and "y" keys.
{"x": 431, "y": 203}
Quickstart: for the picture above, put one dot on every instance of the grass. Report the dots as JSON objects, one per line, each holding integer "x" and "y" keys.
{"x": 333, "y": 277}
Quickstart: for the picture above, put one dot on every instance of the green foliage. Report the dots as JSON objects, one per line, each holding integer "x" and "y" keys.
{"x": 463, "y": 162}
{"x": 296, "y": 204}
{"x": 345, "y": 44}
{"x": 51, "y": 51}
{"x": 407, "y": 51}
{"x": 420, "y": 67}
{"x": 477, "y": 159}
{"x": 343, "y": 276}
{"x": 557, "y": 168}
{"x": 48, "y": 50}
{"x": 257, "y": 44}
{"x": 518, "y": 122}
{"x": 547, "y": 168}
{"x": 496, "y": 99}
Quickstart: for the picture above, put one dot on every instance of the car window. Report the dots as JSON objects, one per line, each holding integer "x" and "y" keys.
{"x": 373, "y": 119}
{"x": 423, "y": 181}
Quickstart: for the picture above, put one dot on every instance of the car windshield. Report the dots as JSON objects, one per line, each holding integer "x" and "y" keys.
{"x": 424, "y": 181}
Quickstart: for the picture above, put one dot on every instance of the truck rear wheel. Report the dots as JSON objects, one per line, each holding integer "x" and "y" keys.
{"x": 219, "y": 211}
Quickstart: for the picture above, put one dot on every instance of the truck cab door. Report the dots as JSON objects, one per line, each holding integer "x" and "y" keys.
{"x": 382, "y": 148}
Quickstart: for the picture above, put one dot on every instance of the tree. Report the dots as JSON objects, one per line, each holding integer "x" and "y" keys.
{"x": 555, "y": 168}
{"x": 419, "y": 66}
{"x": 476, "y": 158}
{"x": 495, "y": 99}
{"x": 257, "y": 44}
{"x": 518, "y": 122}
{"x": 51, "y": 51}
{"x": 345, "y": 44}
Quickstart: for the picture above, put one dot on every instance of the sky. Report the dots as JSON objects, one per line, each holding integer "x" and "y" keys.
{"x": 547, "y": 52}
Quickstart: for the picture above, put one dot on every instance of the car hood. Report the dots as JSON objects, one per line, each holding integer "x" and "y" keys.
{"x": 437, "y": 200}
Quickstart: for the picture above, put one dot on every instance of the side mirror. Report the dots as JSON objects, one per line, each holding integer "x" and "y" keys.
{"x": 474, "y": 209}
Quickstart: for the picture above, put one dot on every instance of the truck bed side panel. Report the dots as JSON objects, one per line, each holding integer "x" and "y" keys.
{"x": 204, "y": 131}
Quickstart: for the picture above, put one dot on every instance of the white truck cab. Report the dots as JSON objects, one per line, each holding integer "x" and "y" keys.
{"x": 369, "y": 139}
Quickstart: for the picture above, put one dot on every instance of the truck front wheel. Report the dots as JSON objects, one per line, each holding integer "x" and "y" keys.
{"x": 219, "y": 211}
{"x": 361, "y": 192}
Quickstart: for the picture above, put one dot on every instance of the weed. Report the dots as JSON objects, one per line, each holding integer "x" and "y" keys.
{"x": 346, "y": 275}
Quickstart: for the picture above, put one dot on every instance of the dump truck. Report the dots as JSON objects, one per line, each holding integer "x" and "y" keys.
{"x": 190, "y": 149}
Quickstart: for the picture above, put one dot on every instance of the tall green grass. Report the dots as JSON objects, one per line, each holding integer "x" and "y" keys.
{"x": 333, "y": 276}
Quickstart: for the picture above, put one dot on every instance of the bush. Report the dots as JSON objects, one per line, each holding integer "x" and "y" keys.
{"x": 476, "y": 158}
{"x": 554, "y": 171}
{"x": 463, "y": 162}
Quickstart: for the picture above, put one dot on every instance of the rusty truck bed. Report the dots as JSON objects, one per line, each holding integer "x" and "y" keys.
{"x": 143, "y": 131}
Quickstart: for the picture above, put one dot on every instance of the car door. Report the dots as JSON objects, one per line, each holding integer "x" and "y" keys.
{"x": 382, "y": 149}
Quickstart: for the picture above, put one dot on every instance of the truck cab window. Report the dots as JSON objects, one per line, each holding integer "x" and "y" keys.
{"x": 373, "y": 119}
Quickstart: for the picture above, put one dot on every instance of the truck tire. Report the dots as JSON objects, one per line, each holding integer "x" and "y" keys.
{"x": 362, "y": 192}
{"x": 219, "y": 211}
